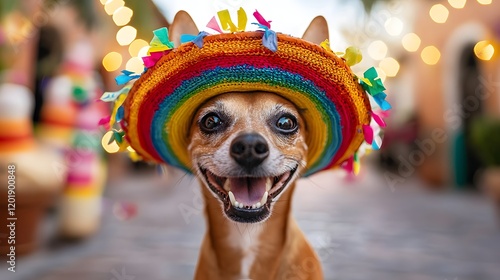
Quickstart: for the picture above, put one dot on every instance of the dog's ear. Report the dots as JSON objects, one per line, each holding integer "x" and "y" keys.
{"x": 182, "y": 24}
{"x": 317, "y": 31}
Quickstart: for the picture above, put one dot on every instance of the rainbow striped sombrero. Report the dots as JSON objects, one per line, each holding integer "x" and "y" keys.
{"x": 155, "y": 114}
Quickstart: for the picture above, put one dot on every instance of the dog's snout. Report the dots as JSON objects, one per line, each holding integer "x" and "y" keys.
{"x": 249, "y": 150}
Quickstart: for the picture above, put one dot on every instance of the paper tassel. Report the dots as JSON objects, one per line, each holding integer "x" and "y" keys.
{"x": 105, "y": 122}
{"x": 186, "y": 38}
{"x": 242, "y": 19}
{"x": 349, "y": 165}
{"x": 356, "y": 166}
{"x": 368, "y": 133}
{"x": 114, "y": 112}
{"x": 212, "y": 24}
{"x": 371, "y": 82}
{"x": 111, "y": 96}
{"x": 378, "y": 120}
{"x": 381, "y": 102}
{"x": 160, "y": 41}
{"x": 225, "y": 21}
{"x": 119, "y": 114}
{"x": 326, "y": 45}
{"x": 377, "y": 143}
{"x": 150, "y": 61}
{"x": 126, "y": 77}
{"x": 197, "y": 40}
{"x": 260, "y": 19}
{"x": 352, "y": 56}
{"x": 270, "y": 39}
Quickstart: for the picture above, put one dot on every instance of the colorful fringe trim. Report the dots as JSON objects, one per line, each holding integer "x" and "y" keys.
{"x": 154, "y": 114}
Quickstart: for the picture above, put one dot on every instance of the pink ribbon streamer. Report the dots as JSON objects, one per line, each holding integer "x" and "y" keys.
{"x": 212, "y": 24}
{"x": 261, "y": 19}
{"x": 378, "y": 120}
{"x": 368, "y": 133}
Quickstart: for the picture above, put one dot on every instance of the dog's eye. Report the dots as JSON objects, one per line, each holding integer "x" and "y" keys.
{"x": 210, "y": 122}
{"x": 287, "y": 124}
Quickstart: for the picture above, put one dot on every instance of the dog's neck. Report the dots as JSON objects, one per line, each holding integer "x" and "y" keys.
{"x": 245, "y": 251}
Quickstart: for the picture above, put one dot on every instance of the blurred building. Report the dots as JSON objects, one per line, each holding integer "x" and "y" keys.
{"x": 456, "y": 77}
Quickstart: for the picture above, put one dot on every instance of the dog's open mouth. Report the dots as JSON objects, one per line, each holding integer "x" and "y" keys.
{"x": 247, "y": 199}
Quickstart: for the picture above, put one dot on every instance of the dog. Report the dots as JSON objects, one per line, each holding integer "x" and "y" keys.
{"x": 248, "y": 150}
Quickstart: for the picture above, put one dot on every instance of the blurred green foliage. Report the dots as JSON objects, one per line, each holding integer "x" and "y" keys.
{"x": 485, "y": 138}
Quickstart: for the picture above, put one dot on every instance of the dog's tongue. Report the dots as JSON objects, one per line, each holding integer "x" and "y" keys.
{"x": 248, "y": 191}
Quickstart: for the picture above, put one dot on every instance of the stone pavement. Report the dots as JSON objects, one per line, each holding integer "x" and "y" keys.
{"x": 361, "y": 230}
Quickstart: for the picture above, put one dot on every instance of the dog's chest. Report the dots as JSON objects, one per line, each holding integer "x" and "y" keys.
{"x": 245, "y": 238}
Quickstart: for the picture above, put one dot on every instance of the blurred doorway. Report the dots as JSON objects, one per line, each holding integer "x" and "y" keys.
{"x": 466, "y": 163}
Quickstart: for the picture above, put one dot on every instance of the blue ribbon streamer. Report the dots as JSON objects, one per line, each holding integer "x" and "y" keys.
{"x": 126, "y": 77}
{"x": 119, "y": 114}
{"x": 270, "y": 39}
{"x": 380, "y": 99}
{"x": 197, "y": 40}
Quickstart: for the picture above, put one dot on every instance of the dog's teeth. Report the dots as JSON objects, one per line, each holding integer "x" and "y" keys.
{"x": 227, "y": 185}
{"x": 232, "y": 198}
{"x": 269, "y": 183}
{"x": 264, "y": 199}
{"x": 240, "y": 205}
{"x": 253, "y": 206}
{"x": 258, "y": 205}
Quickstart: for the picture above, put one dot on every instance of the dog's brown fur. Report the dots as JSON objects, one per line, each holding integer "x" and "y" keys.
{"x": 276, "y": 248}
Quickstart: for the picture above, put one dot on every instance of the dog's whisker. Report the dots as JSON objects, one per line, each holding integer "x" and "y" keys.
{"x": 314, "y": 183}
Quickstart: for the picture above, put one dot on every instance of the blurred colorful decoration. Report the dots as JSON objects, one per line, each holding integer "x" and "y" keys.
{"x": 124, "y": 210}
{"x": 32, "y": 167}
{"x": 70, "y": 124}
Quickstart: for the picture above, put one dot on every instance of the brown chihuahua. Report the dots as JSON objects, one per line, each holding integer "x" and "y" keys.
{"x": 248, "y": 149}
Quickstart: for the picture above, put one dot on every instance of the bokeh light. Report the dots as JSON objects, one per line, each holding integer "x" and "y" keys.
{"x": 484, "y": 50}
{"x": 439, "y": 13}
{"x": 143, "y": 51}
{"x": 390, "y": 66}
{"x": 135, "y": 65}
{"x": 136, "y": 46}
{"x": 394, "y": 26}
{"x": 108, "y": 145}
{"x": 430, "y": 55}
{"x": 126, "y": 35}
{"x": 484, "y": 2}
{"x": 457, "y": 4}
{"x": 411, "y": 42}
{"x": 377, "y": 50}
{"x": 122, "y": 16}
{"x": 112, "y": 61}
{"x": 112, "y": 5}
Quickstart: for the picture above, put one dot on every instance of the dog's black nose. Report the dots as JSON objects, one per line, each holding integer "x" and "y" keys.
{"x": 249, "y": 150}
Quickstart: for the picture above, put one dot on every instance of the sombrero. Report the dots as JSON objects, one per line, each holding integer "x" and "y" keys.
{"x": 155, "y": 113}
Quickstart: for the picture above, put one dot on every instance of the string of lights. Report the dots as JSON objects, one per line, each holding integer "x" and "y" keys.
{"x": 126, "y": 36}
